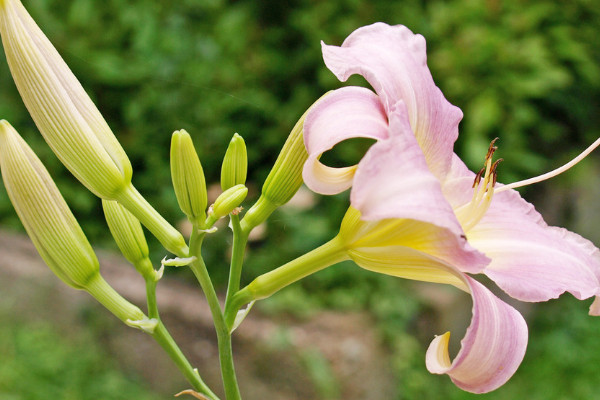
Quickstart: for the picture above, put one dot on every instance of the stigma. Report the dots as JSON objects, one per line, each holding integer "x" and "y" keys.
{"x": 483, "y": 191}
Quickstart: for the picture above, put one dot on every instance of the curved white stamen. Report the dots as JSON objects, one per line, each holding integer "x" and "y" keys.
{"x": 552, "y": 173}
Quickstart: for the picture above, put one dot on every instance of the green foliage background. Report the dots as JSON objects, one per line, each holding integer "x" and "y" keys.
{"x": 525, "y": 71}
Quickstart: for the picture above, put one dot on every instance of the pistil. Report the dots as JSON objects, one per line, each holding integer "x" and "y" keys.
{"x": 552, "y": 173}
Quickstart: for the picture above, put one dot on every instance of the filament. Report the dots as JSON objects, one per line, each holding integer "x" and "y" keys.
{"x": 552, "y": 173}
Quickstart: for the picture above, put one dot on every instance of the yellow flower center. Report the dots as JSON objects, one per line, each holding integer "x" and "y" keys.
{"x": 483, "y": 191}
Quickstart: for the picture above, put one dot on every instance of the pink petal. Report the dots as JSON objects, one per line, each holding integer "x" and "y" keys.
{"x": 394, "y": 61}
{"x": 530, "y": 260}
{"x": 341, "y": 114}
{"x": 491, "y": 350}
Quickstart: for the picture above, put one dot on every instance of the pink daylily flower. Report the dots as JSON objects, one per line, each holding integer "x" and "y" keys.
{"x": 416, "y": 213}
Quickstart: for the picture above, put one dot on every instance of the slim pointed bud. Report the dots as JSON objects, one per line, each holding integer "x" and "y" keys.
{"x": 235, "y": 163}
{"x": 188, "y": 177}
{"x": 285, "y": 178}
{"x": 228, "y": 201}
{"x": 129, "y": 236}
{"x": 60, "y": 107}
{"x": 51, "y": 226}
{"x": 283, "y": 181}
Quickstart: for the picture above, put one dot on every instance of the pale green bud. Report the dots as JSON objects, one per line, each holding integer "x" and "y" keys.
{"x": 44, "y": 213}
{"x": 51, "y": 226}
{"x": 188, "y": 177}
{"x": 71, "y": 123}
{"x": 283, "y": 181}
{"x": 129, "y": 236}
{"x": 228, "y": 201}
{"x": 235, "y": 163}
{"x": 60, "y": 107}
{"x": 285, "y": 178}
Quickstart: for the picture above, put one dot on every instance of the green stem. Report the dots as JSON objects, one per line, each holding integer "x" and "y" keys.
{"x": 240, "y": 239}
{"x": 162, "y": 337}
{"x": 265, "y": 285}
{"x": 257, "y": 214}
{"x": 232, "y": 391}
{"x": 113, "y": 301}
{"x": 168, "y": 236}
{"x": 151, "y": 298}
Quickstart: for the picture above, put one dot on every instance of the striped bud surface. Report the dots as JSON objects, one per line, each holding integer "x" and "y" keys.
{"x": 188, "y": 177}
{"x": 235, "y": 163}
{"x": 129, "y": 236}
{"x": 228, "y": 201}
{"x": 63, "y": 112}
{"x": 285, "y": 178}
{"x": 44, "y": 213}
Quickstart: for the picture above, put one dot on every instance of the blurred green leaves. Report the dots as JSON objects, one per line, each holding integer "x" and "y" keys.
{"x": 528, "y": 73}
{"x": 38, "y": 362}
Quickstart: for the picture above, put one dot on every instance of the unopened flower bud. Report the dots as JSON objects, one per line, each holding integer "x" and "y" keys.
{"x": 60, "y": 107}
{"x": 285, "y": 178}
{"x": 235, "y": 163}
{"x": 188, "y": 177}
{"x": 50, "y": 224}
{"x": 43, "y": 211}
{"x": 129, "y": 236}
{"x": 228, "y": 201}
{"x": 283, "y": 181}
{"x": 70, "y": 122}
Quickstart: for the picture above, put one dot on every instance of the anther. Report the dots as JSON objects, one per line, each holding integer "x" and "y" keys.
{"x": 491, "y": 149}
{"x": 477, "y": 179}
{"x": 494, "y": 172}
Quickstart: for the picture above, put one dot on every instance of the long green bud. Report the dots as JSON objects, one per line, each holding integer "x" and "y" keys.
{"x": 44, "y": 213}
{"x": 60, "y": 107}
{"x": 283, "y": 181}
{"x": 70, "y": 122}
{"x": 51, "y": 226}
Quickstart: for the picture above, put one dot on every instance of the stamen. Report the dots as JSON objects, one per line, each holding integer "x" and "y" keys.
{"x": 491, "y": 149}
{"x": 471, "y": 213}
{"x": 478, "y": 177}
{"x": 552, "y": 173}
{"x": 494, "y": 173}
